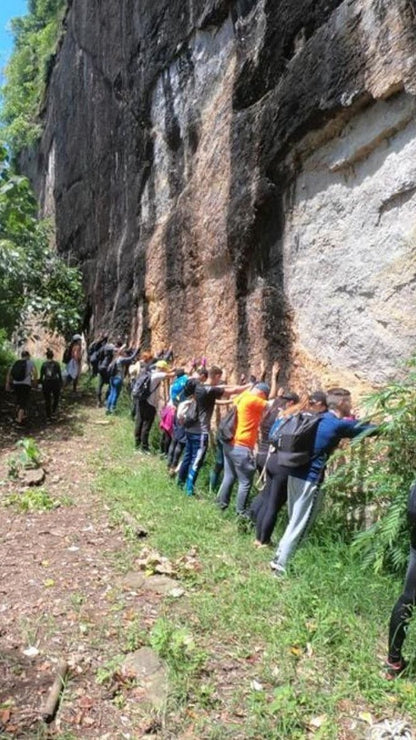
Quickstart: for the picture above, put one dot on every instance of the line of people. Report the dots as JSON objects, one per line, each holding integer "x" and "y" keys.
{"x": 190, "y": 399}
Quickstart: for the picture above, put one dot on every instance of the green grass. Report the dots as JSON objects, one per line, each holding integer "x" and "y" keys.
{"x": 249, "y": 655}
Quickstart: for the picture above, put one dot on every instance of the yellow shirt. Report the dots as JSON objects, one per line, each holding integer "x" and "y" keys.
{"x": 250, "y": 409}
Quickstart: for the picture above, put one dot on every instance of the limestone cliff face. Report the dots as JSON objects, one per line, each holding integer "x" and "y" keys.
{"x": 239, "y": 177}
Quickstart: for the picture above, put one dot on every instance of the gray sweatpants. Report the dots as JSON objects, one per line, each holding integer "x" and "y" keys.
{"x": 239, "y": 464}
{"x": 303, "y": 501}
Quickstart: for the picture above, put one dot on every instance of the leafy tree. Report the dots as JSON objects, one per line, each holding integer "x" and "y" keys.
{"x": 374, "y": 476}
{"x": 36, "y": 36}
{"x": 34, "y": 280}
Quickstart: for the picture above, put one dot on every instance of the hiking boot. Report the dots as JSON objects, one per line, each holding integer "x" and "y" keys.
{"x": 394, "y": 670}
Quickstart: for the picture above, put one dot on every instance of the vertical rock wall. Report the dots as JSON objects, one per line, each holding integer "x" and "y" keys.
{"x": 238, "y": 177}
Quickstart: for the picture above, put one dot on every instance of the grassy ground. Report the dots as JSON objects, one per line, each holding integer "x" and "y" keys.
{"x": 252, "y": 656}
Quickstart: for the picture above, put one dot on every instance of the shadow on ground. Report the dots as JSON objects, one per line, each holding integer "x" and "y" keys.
{"x": 69, "y": 419}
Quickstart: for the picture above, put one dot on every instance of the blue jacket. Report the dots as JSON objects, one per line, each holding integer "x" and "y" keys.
{"x": 330, "y": 431}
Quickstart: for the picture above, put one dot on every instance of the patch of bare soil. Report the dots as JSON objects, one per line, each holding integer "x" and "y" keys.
{"x": 60, "y": 597}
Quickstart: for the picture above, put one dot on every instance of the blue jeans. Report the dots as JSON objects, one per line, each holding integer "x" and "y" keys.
{"x": 195, "y": 451}
{"x": 239, "y": 464}
{"x": 115, "y": 388}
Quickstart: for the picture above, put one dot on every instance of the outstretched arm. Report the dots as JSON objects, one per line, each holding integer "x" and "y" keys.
{"x": 275, "y": 374}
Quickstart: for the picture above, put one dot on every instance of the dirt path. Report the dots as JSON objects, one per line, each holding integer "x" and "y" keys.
{"x": 59, "y": 588}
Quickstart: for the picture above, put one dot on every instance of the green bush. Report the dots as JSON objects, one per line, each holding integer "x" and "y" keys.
{"x": 369, "y": 481}
{"x": 36, "y": 36}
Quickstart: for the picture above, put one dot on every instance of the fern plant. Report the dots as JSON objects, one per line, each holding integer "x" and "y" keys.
{"x": 368, "y": 482}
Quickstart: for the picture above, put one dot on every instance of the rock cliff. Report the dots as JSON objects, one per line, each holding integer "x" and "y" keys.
{"x": 239, "y": 177}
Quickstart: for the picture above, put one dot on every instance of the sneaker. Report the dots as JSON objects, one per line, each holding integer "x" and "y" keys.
{"x": 394, "y": 670}
{"x": 279, "y": 571}
{"x": 274, "y": 564}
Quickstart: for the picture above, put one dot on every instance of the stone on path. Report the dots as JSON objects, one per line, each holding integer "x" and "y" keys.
{"x": 146, "y": 667}
{"x": 33, "y": 477}
{"x": 156, "y": 584}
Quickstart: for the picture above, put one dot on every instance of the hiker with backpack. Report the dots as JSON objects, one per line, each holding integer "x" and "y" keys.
{"x": 145, "y": 393}
{"x": 51, "y": 380}
{"x": 306, "y": 454}
{"x": 197, "y": 430}
{"x": 72, "y": 359}
{"x": 20, "y": 378}
{"x": 274, "y": 494}
{"x": 105, "y": 357}
{"x": 116, "y": 369}
{"x": 93, "y": 355}
{"x": 239, "y": 441}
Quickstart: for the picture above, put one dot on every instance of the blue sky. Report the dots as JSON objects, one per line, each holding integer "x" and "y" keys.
{"x": 8, "y": 9}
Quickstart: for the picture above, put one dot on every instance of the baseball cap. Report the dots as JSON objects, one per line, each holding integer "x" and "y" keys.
{"x": 263, "y": 387}
{"x": 162, "y": 365}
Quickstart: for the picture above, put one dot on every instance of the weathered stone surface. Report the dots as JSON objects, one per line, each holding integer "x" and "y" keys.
{"x": 157, "y": 584}
{"x": 237, "y": 176}
{"x": 150, "y": 673}
{"x": 33, "y": 477}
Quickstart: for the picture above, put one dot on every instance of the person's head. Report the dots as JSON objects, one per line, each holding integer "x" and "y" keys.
{"x": 214, "y": 374}
{"x": 202, "y": 374}
{"x": 49, "y": 354}
{"x": 262, "y": 390}
{"x": 339, "y": 401}
{"x": 318, "y": 402}
{"x": 162, "y": 365}
{"x": 146, "y": 356}
{"x": 289, "y": 399}
{"x": 76, "y": 338}
{"x": 179, "y": 372}
{"x": 25, "y": 355}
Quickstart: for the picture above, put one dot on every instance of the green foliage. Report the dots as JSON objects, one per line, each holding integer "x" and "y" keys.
{"x": 7, "y": 357}
{"x": 33, "y": 499}
{"x": 371, "y": 479}
{"x": 176, "y": 645}
{"x": 36, "y": 36}
{"x": 34, "y": 280}
{"x": 29, "y": 457}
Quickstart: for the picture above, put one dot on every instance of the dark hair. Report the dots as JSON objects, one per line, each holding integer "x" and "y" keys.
{"x": 202, "y": 372}
{"x": 214, "y": 370}
{"x": 49, "y": 354}
{"x": 335, "y": 395}
{"x": 25, "y": 354}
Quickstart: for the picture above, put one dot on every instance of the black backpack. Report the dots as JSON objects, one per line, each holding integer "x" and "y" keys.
{"x": 294, "y": 438}
{"x": 104, "y": 365}
{"x": 51, "y": 371}
{"x": 18, "y": 371}
{"x": 142, "y": 386}
{"x": 228, "y": 425}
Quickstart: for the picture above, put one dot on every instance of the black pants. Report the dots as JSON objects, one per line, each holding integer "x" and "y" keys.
{"x": 175, "y": 451}
{"x": 403, "y": 608}
{"x": 145, "y": 415}
{"x": 102, "y": 381}
{"x": 274, "y": 497}
{"x": 165, "y": 440}
{"x": 51, "y": 394}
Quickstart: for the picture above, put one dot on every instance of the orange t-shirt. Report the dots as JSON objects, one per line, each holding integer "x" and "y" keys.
{"x": 250, "y": 410}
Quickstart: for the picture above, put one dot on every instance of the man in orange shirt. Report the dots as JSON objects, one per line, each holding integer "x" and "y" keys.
{"x": 239, "y": 462}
